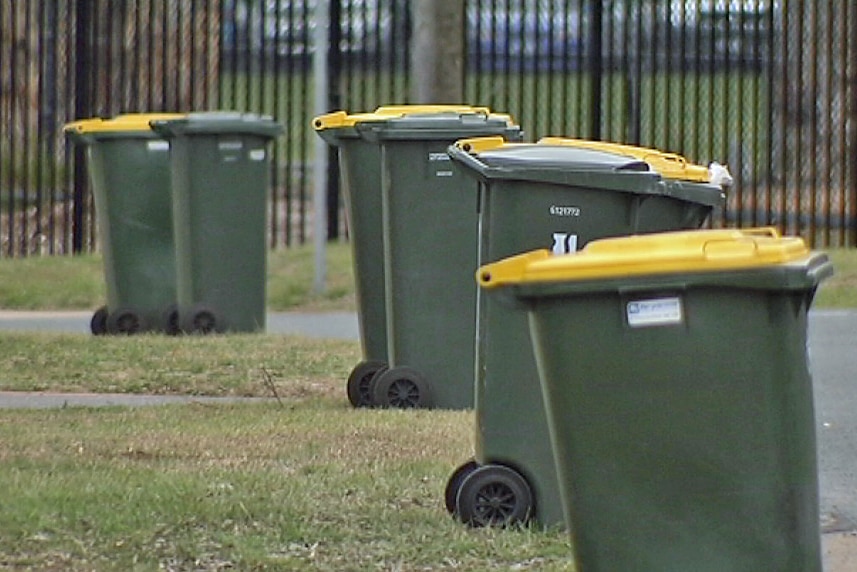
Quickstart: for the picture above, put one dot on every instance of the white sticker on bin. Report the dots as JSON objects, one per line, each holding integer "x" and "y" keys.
{"x": 564, "y": 243}
{"x": 257, "y": 155}
{"x": 230, "y": 145}
{"x": 158, "y": 145}
{"x": 654, "y": 312}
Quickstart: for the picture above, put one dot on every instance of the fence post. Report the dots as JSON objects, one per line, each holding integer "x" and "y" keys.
{"x": 596, "y": 69}
{"x": 334, "y": 100}
{"x": 851, "y": 123}
{"x": 82, "y": 109}
{"x": 320, "y": 186}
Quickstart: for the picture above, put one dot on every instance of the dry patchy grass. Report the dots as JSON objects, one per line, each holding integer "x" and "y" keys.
{"x": 306, "y": 485}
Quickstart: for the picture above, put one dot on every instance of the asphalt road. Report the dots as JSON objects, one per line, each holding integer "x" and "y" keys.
{"x": 833, "y": 357}
{"x": 833, "y": 362}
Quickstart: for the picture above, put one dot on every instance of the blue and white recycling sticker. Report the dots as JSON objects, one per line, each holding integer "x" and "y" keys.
{"x": 654, "y": 312}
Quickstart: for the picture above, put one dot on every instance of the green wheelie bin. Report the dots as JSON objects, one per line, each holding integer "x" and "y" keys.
{"x": 557, "y": 194}
{"x": 428, "y": 237}
{"x": 360, "y": 165}
{"x": 129, "y": 169}
{"x": 429, "y": 229}
{"x": 220, "y": 172}
{"x": 675, "y": 376}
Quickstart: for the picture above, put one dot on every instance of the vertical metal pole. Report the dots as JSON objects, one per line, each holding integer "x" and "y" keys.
{"x": 596, "y": 69}
{"x": 334, "y": 67}
{"x": 851, "y": 123}
{"x": 320, "y": 160}
{"x": 635, "y": 75}
{"x": 82, "y": 110}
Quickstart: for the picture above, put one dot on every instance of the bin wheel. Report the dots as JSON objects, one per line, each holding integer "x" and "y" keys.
{"x": 401, "y": 388}
{"x": 453, "y": 485}
{"x": 359, "y": 384}
{"x": 98, "y": 323}
{"x": 201, "y": 320}
{"x": 170, "y": 321}
{"x": 124, "y": 321}
{"x": 495, "y": 496}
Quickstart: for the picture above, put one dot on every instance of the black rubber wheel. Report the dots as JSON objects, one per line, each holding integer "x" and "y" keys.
{"x": 495, "y": 496}
{"x": 359, "y": 382}
{"x": 170, "y": 321}
{"x": 453, "y": 485}
{"x": 401, "y": 388}
{"x": 125, "y": 321}
{"x": 200, "y": 320}
{"x": 98, "y": 323}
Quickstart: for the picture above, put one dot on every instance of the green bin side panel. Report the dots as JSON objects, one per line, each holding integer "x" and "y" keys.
{"x": 687, "y": 446}
{"x": 430, "y": 259}
{"x": 661, "y": 213}
{"x": 220, "y": 183}
{"x": 360, "y": 162}
{"x": 131, "y": 189}
{"x": 518, "y": 216}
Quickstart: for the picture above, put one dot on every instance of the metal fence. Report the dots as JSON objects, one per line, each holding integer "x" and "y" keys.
{"x": 766, "y": 86}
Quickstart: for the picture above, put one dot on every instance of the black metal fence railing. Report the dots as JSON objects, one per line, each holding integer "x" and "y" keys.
{"x": 762, "y": 85}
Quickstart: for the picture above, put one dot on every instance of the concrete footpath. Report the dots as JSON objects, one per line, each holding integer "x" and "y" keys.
{"x": 832, "y": 343}
{"x": 335, "y": 325}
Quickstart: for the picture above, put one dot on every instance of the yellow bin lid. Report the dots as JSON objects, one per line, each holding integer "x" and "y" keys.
{"x": 649, "y": 254}
{"x": 120, "y": 123}
{"x": 669, "y": 165}
{"x": 341, "y": 119}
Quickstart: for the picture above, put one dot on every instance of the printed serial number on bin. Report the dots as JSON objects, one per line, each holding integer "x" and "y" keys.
{"x": 559, "y": 210}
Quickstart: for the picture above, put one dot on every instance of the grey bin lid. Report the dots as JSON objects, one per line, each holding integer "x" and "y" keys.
{"x": 529, "y": 157}
{"x": 220, "y": 122}
{"x": 567, "y": 166}
{"x": 582, "y": 167}
{"x": 440, "y": 126}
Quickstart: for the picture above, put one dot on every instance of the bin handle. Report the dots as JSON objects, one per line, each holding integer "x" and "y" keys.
{"x": 330, "y": 120}
{"x": 75, "y": 131}
{"x": 748, "y": 237}
{"x": 458, "y": 154}
{"x": 821, "y": 270}
{"x": 710, "y": 248}
{"x": 509, "y": 270}
{"x": 765, "y": 231}
{"x": 481, "y": 144}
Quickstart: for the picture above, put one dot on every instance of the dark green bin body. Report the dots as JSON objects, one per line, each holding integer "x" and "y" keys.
{"x": 220, "y": 171}
{"x": 687, "y": 446}
{"x": 430, "y": 236}
{"x": 360, "y": 167}
{"x": 130, "y": 175}
{"x": 527, "y": 195}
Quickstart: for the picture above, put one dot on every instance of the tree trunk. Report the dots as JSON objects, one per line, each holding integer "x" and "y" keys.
{"x": 437, "y": 57}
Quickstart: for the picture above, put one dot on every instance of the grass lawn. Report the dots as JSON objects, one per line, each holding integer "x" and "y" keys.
{"x": 309, "y": 484}
{"x": 32, "y": 283}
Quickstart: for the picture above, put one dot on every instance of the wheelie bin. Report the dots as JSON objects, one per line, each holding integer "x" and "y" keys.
{"x": 557, "y": 194}
{"x": 675, "y": 377}
{"x": 220, "y": 171}
{"x": 428, "y": 235}
{"x": 129, "y": 170}
{"x": 360, "y": 166}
